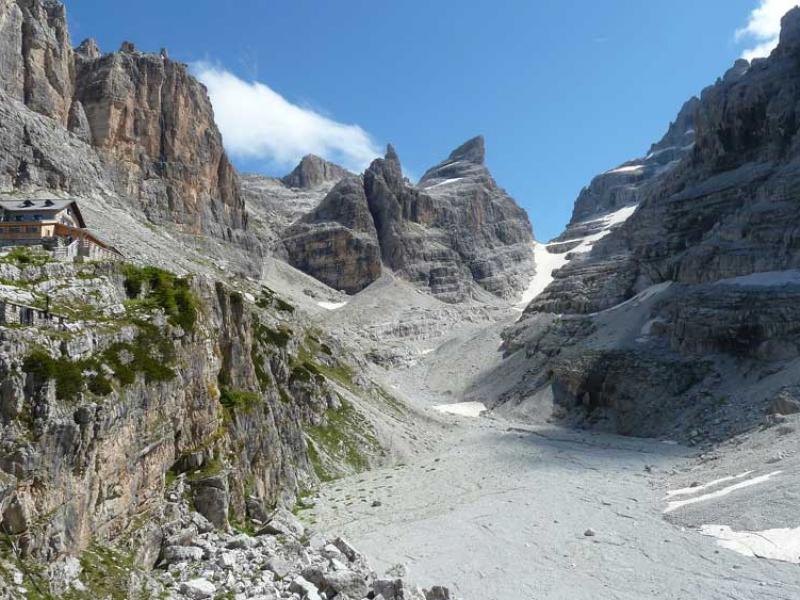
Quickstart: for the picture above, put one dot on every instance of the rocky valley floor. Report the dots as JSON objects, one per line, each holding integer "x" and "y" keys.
{"x": 510, "y": 509}
{"x": 506, "y": 511}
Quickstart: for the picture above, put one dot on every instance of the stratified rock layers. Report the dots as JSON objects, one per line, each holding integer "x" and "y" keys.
{"x": 455, "y": 229}
{"x": 336, "y": 242}
{"x": 723, "y": 207}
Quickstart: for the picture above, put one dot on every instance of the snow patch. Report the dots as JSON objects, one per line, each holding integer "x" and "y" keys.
{"x": 774, "y": 544}
{"x": 620, "y": 216}
{"x": 547, "y": 262}
{"x": 676, "y": 504}
{"x": 647, "y": 328}
{"x": 331, "y": 305}
{"x": 462, "y": 409}
{"x": 444, "y": 182}
{"x": 699, "y": 488}
{"x": 627, "y": 169}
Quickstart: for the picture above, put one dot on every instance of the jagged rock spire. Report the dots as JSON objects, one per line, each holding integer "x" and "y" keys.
{"x": 473, "y": 150}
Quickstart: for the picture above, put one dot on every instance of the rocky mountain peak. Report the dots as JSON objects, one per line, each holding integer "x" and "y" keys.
{"x": 88, "y": 49}
{"x": 738, "y": 69}
{"x": 388, "y": 168}
{"x": 391, "y": 154}
{"x": 313, "y": 171}
{"x": 680, "y": 132}
{"x": 472, "y": 150}
{"x": 790, "y": 31}
{"x": 465, "y": 162}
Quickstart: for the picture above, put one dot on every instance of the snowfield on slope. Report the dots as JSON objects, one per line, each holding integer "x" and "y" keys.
{"x": 548, "y": 262}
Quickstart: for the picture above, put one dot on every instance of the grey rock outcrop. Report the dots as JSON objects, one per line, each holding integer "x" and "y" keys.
{"x": 313, "y": 171}
{"x": 336, "y": 242}
{"x": 626, "y": 184}
{"x": 78, "y": 123}
{"x": 218, "y": 401}
{"x": 274, "y": 204}
{"x": 35, "y": 55}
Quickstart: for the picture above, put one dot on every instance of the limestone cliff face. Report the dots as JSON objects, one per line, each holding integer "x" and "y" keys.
{"x": 405, "y": 222}
{"x": 156, "y": 120}
{"x": 487, "y": 229}
{"x": 97, "y": 420}
{"x": 626, "y": 184}
{"x": 336, "y": 242}
{"x": 274, "y": 204}
{"x": 36, "y": 64}
{"x": 454, "y": 231}
{"x": 150, "y": 122}
{"x": 699, "y": 280}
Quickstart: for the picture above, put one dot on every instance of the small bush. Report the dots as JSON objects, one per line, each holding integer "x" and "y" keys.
{"x": 273, "y": 337}
{"x": 166, "y": 290}
{"x": 238, "y": 399}
{"x": 68, "y": 374}
{"x": 267, "y": 299}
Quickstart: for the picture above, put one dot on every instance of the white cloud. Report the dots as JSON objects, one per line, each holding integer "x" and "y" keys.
{"x": 764, "y": 27}
{"x": 258, "y": 123}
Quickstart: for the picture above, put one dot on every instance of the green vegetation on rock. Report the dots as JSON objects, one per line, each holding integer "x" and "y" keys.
{"x": 345, "y": 438}
{"x": 238, "y": 400}
{"x": 23, "y": 256}
{"x": 166, "y": 291}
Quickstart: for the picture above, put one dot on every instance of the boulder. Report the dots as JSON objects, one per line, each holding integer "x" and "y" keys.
{"x": 346, "y": 548}
{"x": 346, "y": 582}
{"x": 198, "y": 589}
{"x": 211, "y": 499}
{"x": 305, "y": 589}
{"x": 279, "y": 566}
{"x": 283, "y": 522}
{"x": 179, "y": 554}
{"x": 787, "y": 402}
{"x": 390, "y": 589}
{"x": 437, "y": 592}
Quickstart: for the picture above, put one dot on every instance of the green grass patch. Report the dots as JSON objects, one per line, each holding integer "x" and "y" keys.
{"x": 345, "y": 437}
{"x": 23, "y": 256}
{"x": 278, "y": 338}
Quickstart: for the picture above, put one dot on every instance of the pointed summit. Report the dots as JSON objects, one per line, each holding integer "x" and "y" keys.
{"x": 388, "y": 167}
{"x": 790, "y": 31}
{"x": 466, "y": 161}
{"x": 88, "y": 49}
{"x": 391, "y": 154}
{"x": 473, "y": 151}
{"x": 313, "y": 171}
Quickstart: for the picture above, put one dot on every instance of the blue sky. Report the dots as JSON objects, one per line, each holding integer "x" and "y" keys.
{"x": 561, "y": 89}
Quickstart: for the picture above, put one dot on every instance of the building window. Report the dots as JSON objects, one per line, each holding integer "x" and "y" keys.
{"x": 31, "y": 229}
